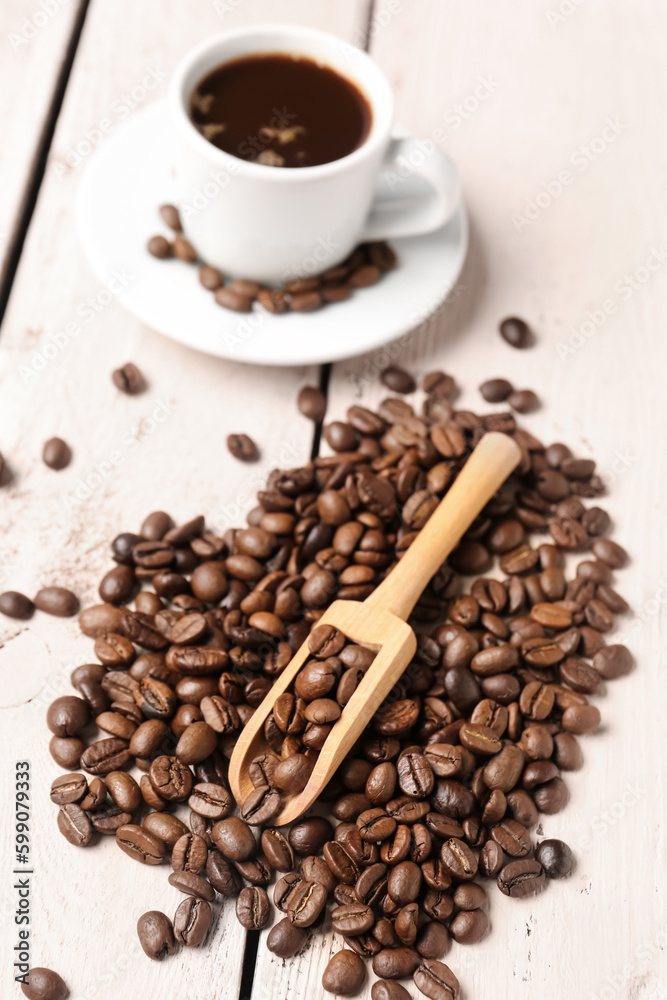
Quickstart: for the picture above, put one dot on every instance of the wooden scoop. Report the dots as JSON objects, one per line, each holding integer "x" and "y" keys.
{"x": 379, "y": 623}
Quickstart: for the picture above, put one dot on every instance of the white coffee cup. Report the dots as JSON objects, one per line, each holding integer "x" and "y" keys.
{"x": 275, "y": 223}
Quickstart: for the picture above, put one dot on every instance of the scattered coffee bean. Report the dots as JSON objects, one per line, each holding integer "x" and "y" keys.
{"x": 171, "y": 217}
{"x": 242, "y": 447}
{"x": 16, "y": 605}
{"x": 496, "y": 390}
{"x": 128, "y": 379}
{"x": 516, "y": 332}
{"x": 56, "y": 453}
{"x": 57, "y": 601}
{"x": 156, "y": 935}
{"x": 398, "y": 380}
{"x": 345, "y": 974}
{"x": 523, "y": 400}
{"x": 44, "y": 984}
{"x": 159, "y": 247}
{"x": 312, "y": 403}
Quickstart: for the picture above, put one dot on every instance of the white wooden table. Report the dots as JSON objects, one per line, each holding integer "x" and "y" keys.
{"x": 523, "y": 90}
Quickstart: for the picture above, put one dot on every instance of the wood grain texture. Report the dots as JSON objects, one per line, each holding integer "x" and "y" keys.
{"x": 62, "y": 336}
{"x": 517, "y": 93}
{"x": 33, "y": 41}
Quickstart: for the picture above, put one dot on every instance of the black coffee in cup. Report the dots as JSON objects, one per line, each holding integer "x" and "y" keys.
{"x": 280, "y": 110}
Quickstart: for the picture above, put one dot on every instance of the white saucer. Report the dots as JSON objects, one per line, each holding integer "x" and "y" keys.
{"x": 129, "y": 177}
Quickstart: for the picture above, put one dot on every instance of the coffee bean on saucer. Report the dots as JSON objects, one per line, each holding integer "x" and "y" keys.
{"x": 210, "y": 278}
{"x": 56, "y": 453}
{"x": 364, "y": 276}
{"x": 184, "y": 250}
{"x": 305, "y": 301}
{"x": 398, "y": 380}
{"x": 312, "y": 403}
{"x": 44, "y": 984}
{"x": 496, "y": 390}
{"x": 516, "y": 332}
{"x": 159, "y": 247}
{"x": 128, "y": 379}
{"x": 273, "y": 300}
{"x": 16, "y": 605}
{"x": 230, "y": 299}
{"x": 171, "y": 217}
{"x": 243, "y": 447}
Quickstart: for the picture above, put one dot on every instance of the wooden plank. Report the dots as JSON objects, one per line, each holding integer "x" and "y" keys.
{"x": 35, "y": 38}
{"x": 522, "y": 93}
{"x": 62, "y": 337}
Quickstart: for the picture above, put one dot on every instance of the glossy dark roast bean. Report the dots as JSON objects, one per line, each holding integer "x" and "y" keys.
{"x": 521, "y": 878}
{"x": 436, "y": 980}
{"x": 285, "y": 940}
{"x": 556, "y": 858}
{"x": 253, "y": 908}
{"x": 344, "y": 975}
{"x": 192, "y": 921}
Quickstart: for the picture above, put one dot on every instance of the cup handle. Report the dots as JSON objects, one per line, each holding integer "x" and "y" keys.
{"x": 417, "y": 191}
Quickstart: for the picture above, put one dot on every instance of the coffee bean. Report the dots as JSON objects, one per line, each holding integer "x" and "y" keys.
{"x": 458, "y": 858}
{"x": 140, "y": 845}
{"x": 436, "y": 980}
{"x": 156, "y": 935}
{"x": 159, "y": 247}
{"x": 56, "y": 453}
{"x": 242, "y": 447}
{"x": 397, "y": 380}
{"x": 16, "y": 605}
{"x": 183, "y": 249}
{"x": 396, "y": 963}
{"x": 170, "y": 216}
{"x": 210, "y": 800}
{"x": 44, "y": 984}
{"x": 556, "y": 858}
{"x": 496, "y": 390}
{"x": 310, "y": 835}
{"x": 261, "y": 806}
{"x": 253, "y": 908}
{"x": 516, "y": 332}
{"x": 521, "y": 878}
{"x": 233, "y": 838}
{"x": 285, "y": 940}
{"x": 312, "y": 403}
{"x": 352, "y": 919}
{"x": 305, "y": 902}
{"x": 469, "y": 926}
{"x": 344, "y": 975}
{"x": 67, "y": 716}
{"x": 129, "y": 379}
{"x": 57, "y": 601}
{"x": 74, "y": 825}
{"x": 210, "y": 278}
{"x": 192, "y": 921}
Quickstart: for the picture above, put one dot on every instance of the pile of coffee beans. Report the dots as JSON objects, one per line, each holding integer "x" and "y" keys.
{"x": 362, "y": 268}
{"x": 449, "y": 779}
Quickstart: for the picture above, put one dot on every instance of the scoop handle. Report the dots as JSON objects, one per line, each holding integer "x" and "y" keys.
{"x": 489, "y": 465}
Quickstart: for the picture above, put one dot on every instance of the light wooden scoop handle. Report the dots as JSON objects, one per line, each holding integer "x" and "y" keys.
{"x": 486, "y": 470}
